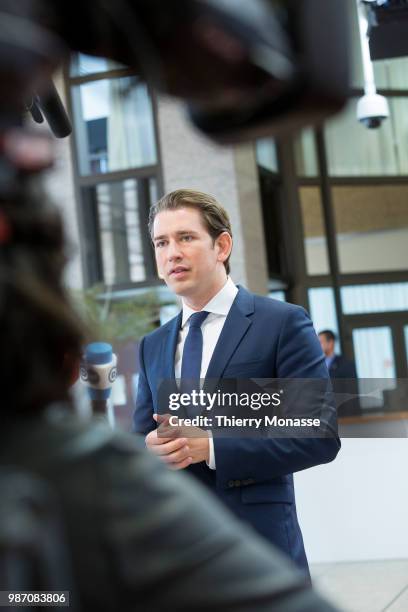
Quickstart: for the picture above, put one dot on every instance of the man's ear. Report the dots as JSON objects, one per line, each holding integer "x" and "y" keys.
{"x": 224, "y": 244}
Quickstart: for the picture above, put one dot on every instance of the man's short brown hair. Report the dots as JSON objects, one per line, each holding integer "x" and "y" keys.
{"x": 329, "y": 335}
{"x": 214, "y": 216}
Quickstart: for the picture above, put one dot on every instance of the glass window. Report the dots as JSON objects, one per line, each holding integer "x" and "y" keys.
{"x": 114, "y": 133}
{"x": 389, "y": 74}
{"x": 323, "y": 309}
{"x": 317, "y": 259}
{"x": 374, "y": 357}
{"x": 85, "y": 65}
{"x": 372, "y": 227}
{"x": 385, "y": 297}
{"x": 305, "y": 154}
{"x": 354, "y": 150}
{"x": 118, "y": 210}
{"x": 377, "y": 365}
{"x": 113, "y": 125}
{"x": 266, "y": 154}
{"x": 373, "y": 352}
{"x": 277, "y": 295}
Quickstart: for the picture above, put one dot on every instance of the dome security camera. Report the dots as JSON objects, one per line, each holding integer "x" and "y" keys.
{"x": 372, "y": 110}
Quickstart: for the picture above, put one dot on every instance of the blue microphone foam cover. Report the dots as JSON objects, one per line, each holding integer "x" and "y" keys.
{"x": 98, "y": 353}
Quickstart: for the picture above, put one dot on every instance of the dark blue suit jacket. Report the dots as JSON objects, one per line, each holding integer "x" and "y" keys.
{"x": 341, "y": 367}
{"x": 261, "y": 338}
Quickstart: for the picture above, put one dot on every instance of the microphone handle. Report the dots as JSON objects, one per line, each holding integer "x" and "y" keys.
{"x": 54, "y": 111}
{"x": 99, "y": 406}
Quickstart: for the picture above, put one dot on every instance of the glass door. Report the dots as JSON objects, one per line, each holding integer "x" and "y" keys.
{"x": 378, "y": 342}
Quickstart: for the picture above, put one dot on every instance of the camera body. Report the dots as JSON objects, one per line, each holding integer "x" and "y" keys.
{"x": 372, "y": 110}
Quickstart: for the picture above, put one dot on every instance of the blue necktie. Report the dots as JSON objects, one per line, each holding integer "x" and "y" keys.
{"x": 192, "y": 353}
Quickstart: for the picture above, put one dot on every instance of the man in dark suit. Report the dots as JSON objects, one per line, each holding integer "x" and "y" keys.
{"x": 232, "y": 333}
{"x": 338, "y": 365}
{"x": 344, "y": 375}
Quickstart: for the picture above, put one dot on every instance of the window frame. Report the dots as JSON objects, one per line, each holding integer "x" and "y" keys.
{"x": 335, "y": 278}
{"x": 92, "y": 265}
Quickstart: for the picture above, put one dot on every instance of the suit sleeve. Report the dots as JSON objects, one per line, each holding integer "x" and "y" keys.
{"x": 299, "y": 356}
{"x": 143, "y": 421}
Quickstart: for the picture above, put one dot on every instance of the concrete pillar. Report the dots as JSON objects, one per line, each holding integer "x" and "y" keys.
{"x": 189, "y": 160}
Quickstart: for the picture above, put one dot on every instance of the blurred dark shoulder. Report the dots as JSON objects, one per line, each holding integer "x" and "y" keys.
{"x": 58, "y": 434}
{"x": 83, "y": 459}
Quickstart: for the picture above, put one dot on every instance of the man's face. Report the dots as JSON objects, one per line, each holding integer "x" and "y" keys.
{"x": 327, "y": 345}
{"x": 186, "y": 257}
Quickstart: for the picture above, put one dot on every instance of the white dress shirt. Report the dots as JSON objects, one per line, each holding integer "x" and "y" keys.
{"x": 218, "y": 307}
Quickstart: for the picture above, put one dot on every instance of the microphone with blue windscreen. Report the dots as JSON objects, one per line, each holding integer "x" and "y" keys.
{"x": 98, "y": 372}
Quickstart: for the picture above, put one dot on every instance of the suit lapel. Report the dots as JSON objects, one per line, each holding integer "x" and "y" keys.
{"x": 169, "y": 347}
{"x": 166, "y": 383}
{"x": 235, "y": 327}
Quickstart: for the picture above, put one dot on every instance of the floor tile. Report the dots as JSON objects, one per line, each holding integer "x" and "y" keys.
{"x": 364, "y": 587}
{"x": 319, "y": 569}
{"x": 400, "y": 604}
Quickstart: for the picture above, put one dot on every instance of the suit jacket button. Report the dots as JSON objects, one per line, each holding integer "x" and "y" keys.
{"x": 231, "y": 484}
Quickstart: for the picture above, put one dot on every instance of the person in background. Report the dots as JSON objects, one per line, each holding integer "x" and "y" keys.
{"x": 343, "y": 373}
{"x": 338, "y": 365}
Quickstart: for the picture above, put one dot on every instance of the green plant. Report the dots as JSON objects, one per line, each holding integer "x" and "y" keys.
{"x": 116, "y": 321}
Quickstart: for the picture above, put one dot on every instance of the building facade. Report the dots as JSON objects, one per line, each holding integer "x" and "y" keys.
{"x": 320, "y": 219}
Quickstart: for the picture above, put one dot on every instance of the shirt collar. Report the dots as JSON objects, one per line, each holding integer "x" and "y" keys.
{"x": 220, "y": 304}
